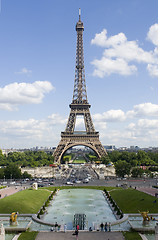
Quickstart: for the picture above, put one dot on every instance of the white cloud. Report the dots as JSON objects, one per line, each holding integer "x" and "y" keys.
{"x": 102, "y": 40}
{"x": 144, "y": 124}
{"x": 107, "y": 66}
{"x": 134, "y": 127}
{"x": 122, "y": 56}
{"x": 153, "y": 70}
{"x": 32, "y": 132}
{"x": 23, "y": 128}
{"x": 148, "y": 123}
{"x": 110, "y": 116}
{"x": 143, "y": 109}
{"x": 153, "y": 34}
{"x": 24, "y": 71}
{"x": 56, "y": 119}
{"x": 16, "y": 94}
{"x": 100, "y": 125}
{"x": 115, "y": 127}
{"x": 129, "y": 51}
{"x": 145, "y": 132}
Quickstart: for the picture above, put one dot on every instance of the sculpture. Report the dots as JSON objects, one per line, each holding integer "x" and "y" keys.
{"x": 145, "y": 216}
{"x": 13, "y": 218}
{"x": 35, "y": 186}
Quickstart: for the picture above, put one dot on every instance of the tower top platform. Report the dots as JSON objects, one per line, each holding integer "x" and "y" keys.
{"x": 79, "y": 24}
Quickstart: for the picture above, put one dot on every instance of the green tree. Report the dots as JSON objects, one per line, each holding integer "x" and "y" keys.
{"x": 26, "y": 175}
{"x": 153, "y": 156}
{"x": 12, "y": 171}
{"x": 137, "y": 172}
{"x": 125, "y": 156}
{"x": 105, "y": 159}
{"x": 143, "y": 158}
{"x": 134, "y": 163}
{"x": 114, "y": 156}
{"x": 122, "y": 168}
{"x": 2, "y": 158}
{"x": 1, "y": 173}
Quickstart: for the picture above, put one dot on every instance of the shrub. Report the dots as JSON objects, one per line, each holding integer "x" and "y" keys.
{"x": 41, "y": 212}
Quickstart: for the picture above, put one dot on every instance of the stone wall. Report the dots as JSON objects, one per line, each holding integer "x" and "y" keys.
{"x": 42, "y": 172}
{"x": 103, "y": 171}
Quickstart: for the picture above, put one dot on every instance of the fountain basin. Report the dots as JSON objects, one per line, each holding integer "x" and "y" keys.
{"x": 69, "y": 202}
{"x": 22, "y": 223}
{"x": 139, "y": 226}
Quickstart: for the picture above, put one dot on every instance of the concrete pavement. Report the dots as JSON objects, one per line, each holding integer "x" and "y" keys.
{"x": 150, "y": 191}
{"x": 4, "y": 192}
{"x": 81, "y": 236}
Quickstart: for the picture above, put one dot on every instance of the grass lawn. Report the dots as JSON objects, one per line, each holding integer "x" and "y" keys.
{"x": 67, "y": 157}
{"x": 30, "y": 201}
{"x": 28, "y": 236}
{"x": 27, "y": 201}
{"x": 131, "y": 236}
{"x": 79, "y": 161}
{"x": 131, "y": 200}
{"x": 92, "y": 157}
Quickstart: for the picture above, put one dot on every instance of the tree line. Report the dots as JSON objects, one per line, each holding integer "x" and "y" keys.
{"x": 134, "y": 163}
{"x": 11, "y": 163}
{"x": 27, "y": 159}
{"x": 125, "y": 163}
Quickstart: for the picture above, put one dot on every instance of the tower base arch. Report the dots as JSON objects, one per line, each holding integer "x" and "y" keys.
{"x": 70, "y": 140}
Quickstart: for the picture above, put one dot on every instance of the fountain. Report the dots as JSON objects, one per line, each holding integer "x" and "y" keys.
{"x": 70, "y": 202}
{"x": 147, "y": 224}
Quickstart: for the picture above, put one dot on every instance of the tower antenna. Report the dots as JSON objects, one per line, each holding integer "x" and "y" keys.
{"x": 79, "y": 13}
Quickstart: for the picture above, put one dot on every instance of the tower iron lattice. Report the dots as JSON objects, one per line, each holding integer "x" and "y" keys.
{"x": 79, "y": 107}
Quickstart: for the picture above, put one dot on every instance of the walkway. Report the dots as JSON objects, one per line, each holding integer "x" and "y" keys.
{"x": 81, "y": 236}
{"x": 150, "y": 191}
{"x": 10, "y": 190}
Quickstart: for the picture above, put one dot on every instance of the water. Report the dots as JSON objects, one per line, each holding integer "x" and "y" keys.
{"x": 21, "y": 222}
{"x": 140, "y": 224}
{"x": 9, "y": 236}
{"x": 150, "y": 236}
{"x": 68, "y": 202}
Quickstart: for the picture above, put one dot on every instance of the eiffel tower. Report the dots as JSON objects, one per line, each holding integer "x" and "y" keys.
{"x": 79, "y": 107}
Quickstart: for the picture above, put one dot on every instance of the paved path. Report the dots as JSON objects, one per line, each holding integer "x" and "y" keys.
{"x": 10, "y": 190}
{"x": 81, "y": 236}
{"x": 150, "y": 191}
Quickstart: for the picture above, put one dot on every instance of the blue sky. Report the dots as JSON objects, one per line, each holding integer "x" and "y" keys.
{"x": 37, "y": 69}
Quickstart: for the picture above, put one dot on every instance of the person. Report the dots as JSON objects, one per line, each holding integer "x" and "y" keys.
{"x": 109, "y": 227}
{"x": 76, "y": 233}
{"x": 90, "y": 229}
{"x": 101, "y": 225}
{"x": 153, "y": 219}
{"x": 65, "y": 227}
{"x": 105, "y": 227}
{"x": 78, "y": 227}
{"x": 56, "y": 226}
